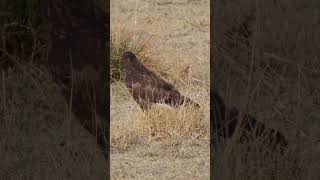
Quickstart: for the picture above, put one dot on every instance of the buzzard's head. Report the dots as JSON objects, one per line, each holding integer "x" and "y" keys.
{"x": 128, "y": 56}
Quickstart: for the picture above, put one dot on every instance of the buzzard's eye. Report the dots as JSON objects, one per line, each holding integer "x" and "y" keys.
{"x": 128, "y": 55}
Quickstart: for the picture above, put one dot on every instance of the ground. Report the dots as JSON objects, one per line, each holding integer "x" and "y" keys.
{"x": 165, "y": 143}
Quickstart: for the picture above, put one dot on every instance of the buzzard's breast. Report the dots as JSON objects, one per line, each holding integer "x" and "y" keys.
{"x": 84, "y": 77}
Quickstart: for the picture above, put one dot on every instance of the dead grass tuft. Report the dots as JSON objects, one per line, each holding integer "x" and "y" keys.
{"x": 159, "y": 124}
{"x": 124, "y": 40}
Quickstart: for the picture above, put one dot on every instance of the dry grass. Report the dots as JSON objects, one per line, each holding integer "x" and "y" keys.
{"x": 162, "y": 131}
{"x": 159, "y": 124}
{"x": 38, "y": 140}
{"x": 38, "y": 137}
{"x": 164, "y": 142}
{"x": 275, "y": 83}
{"x": 124, "y": 40}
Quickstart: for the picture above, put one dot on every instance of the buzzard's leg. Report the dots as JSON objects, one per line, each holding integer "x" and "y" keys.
{"x": 189, "y": 102}
{"x": 144, "y": 105}
{"x": 178, "y": 100}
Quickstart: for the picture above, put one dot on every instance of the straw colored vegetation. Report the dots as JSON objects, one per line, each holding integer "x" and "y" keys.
{"x": 172, "y": 39}
{"x": 39, "y": 139}
{"x": 273, "y": 76}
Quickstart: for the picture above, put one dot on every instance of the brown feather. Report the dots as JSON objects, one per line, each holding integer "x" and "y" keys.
{"x": 147, "y": 88}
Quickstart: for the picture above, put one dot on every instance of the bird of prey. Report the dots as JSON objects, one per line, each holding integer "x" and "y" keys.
{"x": 224, "y": 122}
{"x": 77, "y": 57}
{"x": 147, "y": 88}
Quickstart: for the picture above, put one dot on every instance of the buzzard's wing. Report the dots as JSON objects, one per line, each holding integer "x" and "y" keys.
{"x": 154, "y": 80}
{"x": 147, "y": 87}
{"x": 153, "y": 90}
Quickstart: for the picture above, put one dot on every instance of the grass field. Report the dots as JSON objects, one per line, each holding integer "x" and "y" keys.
{"x": 278, "y": 84}
{"x": 273, "y": 77}
{"x": 165, "y": 142}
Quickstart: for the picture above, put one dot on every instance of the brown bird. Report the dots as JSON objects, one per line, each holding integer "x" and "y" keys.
{"x": 147, "y": 88}
{"x": 224, "y": 122}
{"x": 77, "y": 53}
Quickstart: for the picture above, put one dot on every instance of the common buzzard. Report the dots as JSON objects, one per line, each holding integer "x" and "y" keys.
{"x": 147, "y": 88}
{"x": 77, "y": 56}
{"x": 224, "y": 122}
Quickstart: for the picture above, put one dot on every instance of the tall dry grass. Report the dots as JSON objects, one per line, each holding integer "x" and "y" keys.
{"x": 273, "y": 77}
{"x": 162, "y": 123}
{"x": 38, "y": 139}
